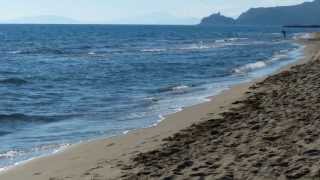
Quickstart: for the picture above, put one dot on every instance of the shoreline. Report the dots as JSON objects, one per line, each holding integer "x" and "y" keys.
{"x": 141, "y": 136}
{"x": 272, "y": 133}
{"x": 88, "y": 159}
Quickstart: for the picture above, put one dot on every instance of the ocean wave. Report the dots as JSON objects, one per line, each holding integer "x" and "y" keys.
{"x": 14, "y": 52}
{"x": 219, "y": 43}
{"x": 23, "y": 118}
{"x": 278, "y": 57}
{"x": 48, "y": 147}
{"x": 160, "y": 119}
{"x": 152, "y": 99}
{"x": 188, "y": 47}
{"x": 304, "y": 36}
{"x": 92, "y": 53}
{"x": 230, "y": 40}
{"x": 284, "y": 51}
{"x": 42, "y": 50}
{"x": 250, "y": 67}
{"x": 10, "y": 154}
{"x": 179, "y": 88}
{"x": 26, "y": 155}
{"x": 3, "y": 133}
{"x": 14, "y": 81}
{"x": 261, "y": 64}
{"x": 174, "y": 89}
{"x": 198, "y": 46}
{"x": 154, "y": 50}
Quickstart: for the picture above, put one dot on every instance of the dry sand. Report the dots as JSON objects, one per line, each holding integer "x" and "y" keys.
{"x": 271, "y": 132}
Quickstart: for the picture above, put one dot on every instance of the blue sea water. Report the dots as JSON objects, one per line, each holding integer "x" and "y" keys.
{"x": 63, "y": 84}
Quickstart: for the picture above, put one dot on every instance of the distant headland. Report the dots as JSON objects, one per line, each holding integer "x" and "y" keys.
{"x": 305, "y": 14}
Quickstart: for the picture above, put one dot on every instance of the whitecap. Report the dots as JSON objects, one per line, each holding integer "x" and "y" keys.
{"x": 194, "y": 47}
{"x": 179, "y": 88}
{"x": 154, "y": 50}
{"x": 230, "y": 40}
{"x": 220, "y": 41}
{"x": 236, "y": 39}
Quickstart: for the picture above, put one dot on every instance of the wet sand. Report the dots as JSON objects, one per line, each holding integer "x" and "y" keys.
{"x": 267, "y": 129}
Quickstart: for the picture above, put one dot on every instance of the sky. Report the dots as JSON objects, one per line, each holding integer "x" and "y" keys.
{"x": 131, "y": 11}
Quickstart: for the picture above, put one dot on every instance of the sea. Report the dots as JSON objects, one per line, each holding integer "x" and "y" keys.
{"x": 66, "y": 84}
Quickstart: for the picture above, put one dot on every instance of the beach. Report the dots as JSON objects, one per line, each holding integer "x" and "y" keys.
{"x": 265, "y": 129}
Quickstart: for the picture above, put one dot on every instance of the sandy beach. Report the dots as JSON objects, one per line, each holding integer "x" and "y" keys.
{"x": 266, "y": 129}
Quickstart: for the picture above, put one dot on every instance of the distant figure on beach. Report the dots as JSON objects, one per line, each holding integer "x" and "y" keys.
{"x": 284, "y": 33}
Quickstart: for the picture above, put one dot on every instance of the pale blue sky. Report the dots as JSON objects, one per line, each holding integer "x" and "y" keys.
{"x": 130, "y": 11}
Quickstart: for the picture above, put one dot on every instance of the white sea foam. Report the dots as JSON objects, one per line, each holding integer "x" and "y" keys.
{"x": 283, "y": 54}
{"x": 206, "y": 45}
{"x": 284, "y": 51}
{"x": 237, "y": 39}
{"x": 229, "y": 40}
{"x": 61, "y": 148}
{"x": 179, "y": 88}
{"x": 9, "y": 154}
{"x": 250, "y": 67}
{"x": 200, "y": 45}
{"x": 278, "y": 57}
{"x": 302, "y": 36}
{"x": 125, "y": 132}
{"x": 50, "y": 149}
{"x": 306, "y": 36}
{"x": 160, "y": 119}
{"x": 197, "y": 47}
{"x": 220, "y": 41}
{"x": 153, "y": 99}
{"x": 2, "y": 169}
{"x": 154, "y": 50}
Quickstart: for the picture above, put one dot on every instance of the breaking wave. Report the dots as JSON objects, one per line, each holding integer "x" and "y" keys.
{"x": 199, "y": 45}
{"x": 261, "y": 64}
{"x": 304, "y": 36}
{"x": 42, "y": 50}
{"x": 174, "y": 89}
{"x": 250, "y": 67}
{"x": 154, "y": 50}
